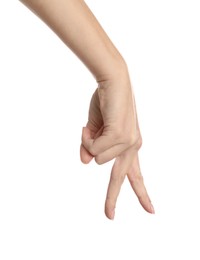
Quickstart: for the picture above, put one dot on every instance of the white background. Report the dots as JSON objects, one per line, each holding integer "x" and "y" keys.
{"x": 51, "y": 205}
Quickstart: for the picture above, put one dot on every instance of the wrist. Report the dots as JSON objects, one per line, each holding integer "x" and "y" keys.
{"x": 113, "y": 69}
{"x": 117, "y": 76}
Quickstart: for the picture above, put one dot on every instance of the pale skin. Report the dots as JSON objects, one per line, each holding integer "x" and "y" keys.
{"x": 112, "y": 130}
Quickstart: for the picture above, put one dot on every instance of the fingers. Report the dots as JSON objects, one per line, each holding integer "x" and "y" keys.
{"x": 137, "y": 183}
{"x": 125, "y": 165}
{"x": 96, "y": 145}
{"x": 117, "y": 177}
{"x": 117, "y": 150}
{"x": 85, "y": 155}
{"x": 110, "y": 154}
{"x": 105, "y": 148}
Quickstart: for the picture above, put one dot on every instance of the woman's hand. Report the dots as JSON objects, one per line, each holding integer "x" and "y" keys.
{"x": 112, "y": 131}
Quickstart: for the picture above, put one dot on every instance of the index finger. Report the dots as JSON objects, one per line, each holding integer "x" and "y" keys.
{"x": 118, "y": 174}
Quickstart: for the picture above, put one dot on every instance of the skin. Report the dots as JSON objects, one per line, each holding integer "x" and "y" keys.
{"x": 112, "y": 130}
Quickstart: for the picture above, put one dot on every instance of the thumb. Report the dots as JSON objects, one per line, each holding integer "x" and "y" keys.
{"x": 98, "y": 143}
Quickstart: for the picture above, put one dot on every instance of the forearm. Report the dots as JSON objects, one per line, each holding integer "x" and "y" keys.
{"x": 75, "y": 24}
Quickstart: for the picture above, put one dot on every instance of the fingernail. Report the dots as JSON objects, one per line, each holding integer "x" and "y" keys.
{"x": 152, "y": 209}
{"x": 112, "y": 214}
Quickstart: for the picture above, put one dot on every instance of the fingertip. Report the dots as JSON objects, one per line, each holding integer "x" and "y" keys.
{"x": 110, "y": 214}
{"x": 109, "y": 210}
{"x": 86, "y": 161}
{"x": 87, "y": 140}
{"x": 85, "y": 156}
{"x": 147, "y": 206}
{"x": 152, "y": 210}
{"x": 98, "y": 160}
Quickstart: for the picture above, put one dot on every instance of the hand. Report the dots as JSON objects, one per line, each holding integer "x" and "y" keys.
{"x": 112, "y": 131}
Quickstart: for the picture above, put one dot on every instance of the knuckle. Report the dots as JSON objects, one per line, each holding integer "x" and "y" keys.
{"x": 117, "y": 179}
{"x": 135, "y": 141}
{"x": 138, "y": 143}
{"x": 136, "y": 179}
{"x": 92, "y": 150}
{"x": 130, "y": 139}
{"x": 99, "y": 160}
{"x": 122, "y": 136}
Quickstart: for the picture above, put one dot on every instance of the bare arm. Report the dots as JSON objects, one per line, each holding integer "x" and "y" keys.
{"x": 75, "y": 24}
